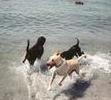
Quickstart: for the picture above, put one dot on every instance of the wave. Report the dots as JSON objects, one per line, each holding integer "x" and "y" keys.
{"x": 100, "y": 61}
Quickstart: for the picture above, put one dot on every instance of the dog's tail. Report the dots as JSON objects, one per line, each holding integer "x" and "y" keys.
{"x": 77, "y": 42}
{"x": 84, "y": 55}
{"x": 27, "y": 49}
{"x": 28, "y": 43}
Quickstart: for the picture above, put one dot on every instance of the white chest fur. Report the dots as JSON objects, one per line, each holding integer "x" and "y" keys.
{"x": 63, "y": 69}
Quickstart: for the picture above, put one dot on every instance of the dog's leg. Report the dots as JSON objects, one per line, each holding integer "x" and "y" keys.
{"x": 70, "y": 74}
{"x": 60, "y": 83}
{"x": 77, "y": 72}
{"x": 24, "y": 60}
{"x": 52, "y": 79}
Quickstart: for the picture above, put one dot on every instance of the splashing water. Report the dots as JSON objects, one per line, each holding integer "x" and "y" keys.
{"x": 37, "y": 82}
{"x": 100, "y": 61}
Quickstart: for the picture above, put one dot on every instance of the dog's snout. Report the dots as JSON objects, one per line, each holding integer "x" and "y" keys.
{"x": 48, "y": 64}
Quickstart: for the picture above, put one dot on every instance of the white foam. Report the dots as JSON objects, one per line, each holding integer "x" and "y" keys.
{"x": 37, "y": 82}
{"x": 95, "y": 63}
{"x": 100, "y": 62}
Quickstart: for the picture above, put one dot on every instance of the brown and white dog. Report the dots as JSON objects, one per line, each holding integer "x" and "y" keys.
{"x": 63, "y": 67}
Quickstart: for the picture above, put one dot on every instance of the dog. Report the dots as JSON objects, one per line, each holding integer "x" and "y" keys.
{"x": 75, "y": 50}
{"x": 36, "y": 51}
{"x": 63, "y": 67}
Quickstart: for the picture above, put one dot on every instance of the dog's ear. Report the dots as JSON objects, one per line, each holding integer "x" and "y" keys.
{"x": 58, "y": 53}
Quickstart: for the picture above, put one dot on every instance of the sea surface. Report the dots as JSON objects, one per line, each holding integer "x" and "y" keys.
{"x": 60, "y": 21}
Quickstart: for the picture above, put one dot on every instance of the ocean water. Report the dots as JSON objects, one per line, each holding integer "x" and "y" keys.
{"x": 60, "y": 21}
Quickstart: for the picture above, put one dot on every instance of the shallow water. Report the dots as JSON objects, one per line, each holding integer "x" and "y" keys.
{"x": 60, "y": 21}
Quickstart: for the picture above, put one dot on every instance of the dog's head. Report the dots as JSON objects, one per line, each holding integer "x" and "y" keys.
{"x": 41, "y": 40}
{"x": 54, "y": 60}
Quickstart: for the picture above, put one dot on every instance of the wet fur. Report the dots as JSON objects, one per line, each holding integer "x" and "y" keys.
{"x": 63, "y": 69}
{"x": 75, "y": 50}
{"x": 36, "y": 51}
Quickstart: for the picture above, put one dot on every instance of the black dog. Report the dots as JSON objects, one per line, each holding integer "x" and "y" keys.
{"x": 75, "y": 50}
{"x": 36, "y": 51}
